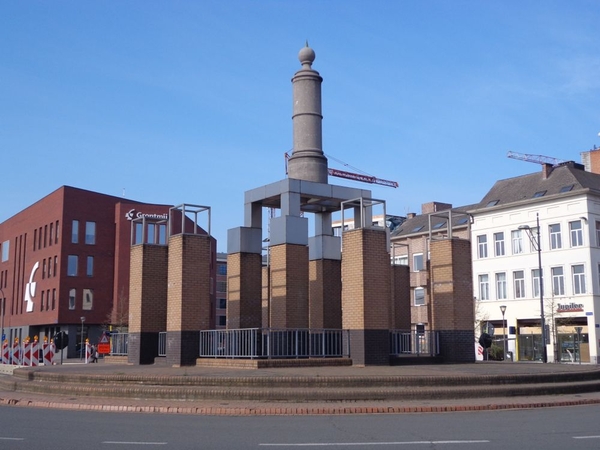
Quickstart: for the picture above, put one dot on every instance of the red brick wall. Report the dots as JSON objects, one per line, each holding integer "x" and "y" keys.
{"x": 244, "y": 290}
{"x": 325, "y": 293}
{"x": 289, "y": 286}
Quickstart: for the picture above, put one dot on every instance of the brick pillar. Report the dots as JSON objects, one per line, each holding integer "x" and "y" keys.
{"x": 366, "y": 295}
{"x": 325, "y": 293}
{"x": 401, "y": 298}
{"x": 452, "y": 306}
{"x": 244, "y": 290}
{"x": 289, "y": 286}
{"x": 188, "y": 305}
{"x": 147, "y": 301}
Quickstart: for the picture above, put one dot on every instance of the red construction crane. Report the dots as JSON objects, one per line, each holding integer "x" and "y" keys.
{"x": 539, "y": 159}
{"x": 365, "y": 178}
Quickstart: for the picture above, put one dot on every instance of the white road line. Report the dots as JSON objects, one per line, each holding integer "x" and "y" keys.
{"x": 586, "y": 437}
{"x": 333, "y": 444}
{"x": 133, "y": 443}
{"x": 11, "y": 439}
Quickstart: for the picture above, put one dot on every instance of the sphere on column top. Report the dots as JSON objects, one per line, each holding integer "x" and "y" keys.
{"x": 306, "y": 55}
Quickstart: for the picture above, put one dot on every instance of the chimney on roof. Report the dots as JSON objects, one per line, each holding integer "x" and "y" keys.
{"x": 591, "y": 160}
{"x": 431, "y": 207}
{"x": 546, "y": 170}
{"x": 410, "y": 215}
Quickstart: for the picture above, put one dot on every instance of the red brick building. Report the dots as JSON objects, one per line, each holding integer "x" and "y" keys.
{"x": 64, "y": 263}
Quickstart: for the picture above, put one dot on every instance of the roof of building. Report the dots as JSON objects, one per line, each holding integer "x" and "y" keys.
{"x": 419, "y": 224}
{"x": 564, "y": 179}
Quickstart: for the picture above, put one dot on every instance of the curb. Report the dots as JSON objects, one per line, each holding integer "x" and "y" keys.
{"x": 289, "y": 411}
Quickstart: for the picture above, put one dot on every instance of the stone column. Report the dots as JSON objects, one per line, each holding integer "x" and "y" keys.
{"x": 366, "y": 295}
{"x": 452, "y": 314}
{"x": 188, "y": 296}
{"x": 147, "y": 301}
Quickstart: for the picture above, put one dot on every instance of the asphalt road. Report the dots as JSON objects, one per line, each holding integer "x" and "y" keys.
{"x": 547, "y": 428}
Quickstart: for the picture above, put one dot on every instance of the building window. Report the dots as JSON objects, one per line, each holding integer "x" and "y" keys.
{"x": 418, "y": 262}
{"x": 75, "y": 232}
{"x": 53, "y": 299}
{"x": 151, "y": 237}
{"x": 578, "y": 279}
{"x": 72, "y": 298}
{"x": 51, "y": 233}
{"x": 55, "y": 265}
{"x": 90, "y": 233}
{"x": 89, "y": 271}
{"x": 56, "y": 231}
{"x": 597, "y": 233}
{"x": 499, "y": 244}
{"x": 484, "y": 287}
{"x": 555, "y": 239}
{"x": 519, "y": 278}
{"x": 419, "y": 296}
{"x": 44, "y": 267}
{"x": 45, "y": 235}
{"x": 535, "y": 282}
{"x": 139, "y": 234}
{"x": 49, "y": 267}
{"x": 72, "y": 261}
{"x": 222, "y": 321}
{"x": 222, "y": 269}
{"x": 576, "y": 233}
{"x": 500, "y": 286}
{"x": 401, "y": 260}
{"x": 482, "y": 246}
{"x": 162, "y": 234}
{"x": 222, "y": 303}
{"x": 34, "y": 238}
{"x": 221, "y": 286}
{"x": 88, "y": 299}
{"x": 558, "y": 281}
{"x": 42, "y": 302}
{"x": 5, "y": 250}
{"x": 517, "y": 242}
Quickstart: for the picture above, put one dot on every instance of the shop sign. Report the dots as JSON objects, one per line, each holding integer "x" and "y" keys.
{"x": 133, "y": 214}
{"x": 569, "y": 307}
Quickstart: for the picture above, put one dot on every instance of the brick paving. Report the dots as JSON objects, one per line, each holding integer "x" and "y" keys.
{"x": 162, "y": 374}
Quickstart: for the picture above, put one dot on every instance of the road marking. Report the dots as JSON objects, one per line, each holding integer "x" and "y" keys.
{"x": 134, "y": 443}
{"x": 333, "y": 444}
{"x": 586, "y": 437}
{"x": 11, "y": 439}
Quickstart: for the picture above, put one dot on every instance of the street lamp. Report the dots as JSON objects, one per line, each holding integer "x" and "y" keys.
{"x": 537, "y": 245}
{"x": 82, "y": 318}
{"x": 503, "y": 310}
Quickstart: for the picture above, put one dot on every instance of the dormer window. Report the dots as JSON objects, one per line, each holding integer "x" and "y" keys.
{"x": 566, "y": 188}
{"x": 539, "y": 194}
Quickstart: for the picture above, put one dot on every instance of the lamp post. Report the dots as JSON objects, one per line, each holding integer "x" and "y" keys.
{"x": 82, "y": 318}
{"x": 537, "y": 244}
{"x": 503, "y": 310}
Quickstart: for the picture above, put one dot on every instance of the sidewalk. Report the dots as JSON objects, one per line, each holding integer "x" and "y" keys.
{"x": 434, "y": 375}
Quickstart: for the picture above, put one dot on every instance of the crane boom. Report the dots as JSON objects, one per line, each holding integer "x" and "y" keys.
{"x": 353, "y": 176}
{"x": 539, "y": 159}
{"x": 361, "y": 177}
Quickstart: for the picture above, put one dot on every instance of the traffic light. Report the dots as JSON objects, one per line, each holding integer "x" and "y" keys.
{"x": 61, "y": 340}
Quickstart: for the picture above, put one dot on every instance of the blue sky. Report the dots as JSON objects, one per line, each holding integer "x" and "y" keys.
{"x": 190, "y": 101}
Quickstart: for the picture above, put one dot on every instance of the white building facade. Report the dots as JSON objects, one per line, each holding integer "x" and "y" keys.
{"x": 565, "y": 199}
